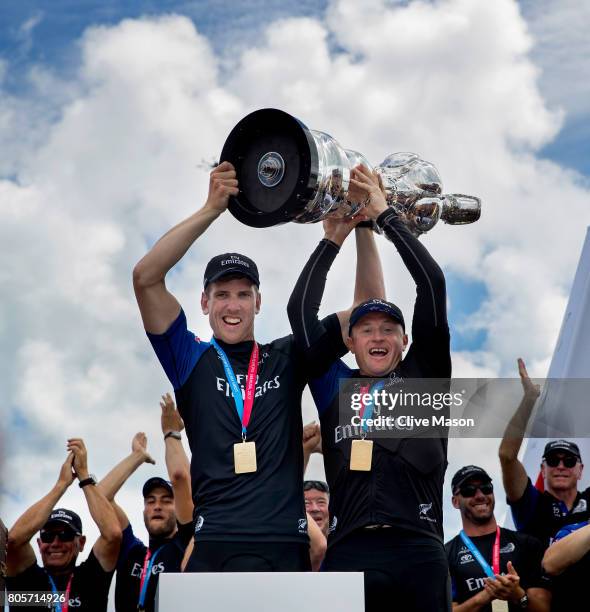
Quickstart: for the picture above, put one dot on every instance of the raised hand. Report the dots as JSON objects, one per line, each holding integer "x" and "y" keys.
{"x": 531, "y": 390}
{"x": 171, "y": 419}
{"x": 366, "y": 186}
{"x": 337, "y": 229}
{"x": 312, "y": 438}
{"x": 139, "y": 446}
{"x": 222, "y": 184}
{"x": 66, "y": 473}
{"x": 78, "y": 449}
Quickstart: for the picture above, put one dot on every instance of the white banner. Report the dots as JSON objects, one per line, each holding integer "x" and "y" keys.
{"x": 571, "y": 359}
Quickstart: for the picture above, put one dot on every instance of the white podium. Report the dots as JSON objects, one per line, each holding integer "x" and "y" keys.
{"x": 261, "y": 592}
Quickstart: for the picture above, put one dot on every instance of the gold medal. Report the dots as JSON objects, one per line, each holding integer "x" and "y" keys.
{"x": 499, "y": 605}
{"x": 361, "y": 455}
{"x": 245, "y": 457}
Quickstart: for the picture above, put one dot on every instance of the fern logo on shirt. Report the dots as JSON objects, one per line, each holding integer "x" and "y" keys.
{"x": 199, "y": 523}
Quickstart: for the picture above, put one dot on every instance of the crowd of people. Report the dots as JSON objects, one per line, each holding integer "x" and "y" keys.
{"x": 241, "y": 503}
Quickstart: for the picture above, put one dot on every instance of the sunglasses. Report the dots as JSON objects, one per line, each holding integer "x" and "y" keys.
{"x": 47, "y": 537}
{"x": 471, "y": 490}
{"x": 569, "y": 461}
{"x": 316, "y": 484}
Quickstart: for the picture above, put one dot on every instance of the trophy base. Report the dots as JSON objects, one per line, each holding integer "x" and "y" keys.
{"x": 276, "y": 163}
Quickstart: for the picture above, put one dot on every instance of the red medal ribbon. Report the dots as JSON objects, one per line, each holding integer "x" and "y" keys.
{"x": 496, "y": 553}
{"x": 250, "y": 386}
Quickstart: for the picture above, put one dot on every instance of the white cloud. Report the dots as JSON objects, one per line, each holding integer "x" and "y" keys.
{"x": 109, "y": 161}
{"x": 562, "y": 48}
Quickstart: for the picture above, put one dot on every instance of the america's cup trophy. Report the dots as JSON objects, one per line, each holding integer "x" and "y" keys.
{"x": 287, "y": 172}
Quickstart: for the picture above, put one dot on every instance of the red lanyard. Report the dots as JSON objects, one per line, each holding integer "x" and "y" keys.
{"x": 148, "y": 554}
{"x": 496, "y": 553}
{"x": 250, "y": 386}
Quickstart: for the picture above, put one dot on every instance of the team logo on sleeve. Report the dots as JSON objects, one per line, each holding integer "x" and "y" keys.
{"x": 199, "y": 523}
{"x": 302, "y": 525}
{"x": 333, "y": 524}
{"x": 581, "y": 506}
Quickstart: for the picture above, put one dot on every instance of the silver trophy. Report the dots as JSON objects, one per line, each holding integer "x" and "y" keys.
{"x": 287, "y": 172}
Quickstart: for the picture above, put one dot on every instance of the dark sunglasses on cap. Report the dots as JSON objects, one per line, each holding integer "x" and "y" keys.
{"x": 63, "y": 536}
{"x": 470, "y": 490}
{"x": 316, "y": 484}
{"x": 569, "y": 461}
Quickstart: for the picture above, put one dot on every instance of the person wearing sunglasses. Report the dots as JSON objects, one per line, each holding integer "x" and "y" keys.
{"x": 83, "y": 587}
{"x": 542, "y": 513}
{"x": 491, "y": 568}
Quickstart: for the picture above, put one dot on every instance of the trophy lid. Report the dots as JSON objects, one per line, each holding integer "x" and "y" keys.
{"x": 276, "y": 164}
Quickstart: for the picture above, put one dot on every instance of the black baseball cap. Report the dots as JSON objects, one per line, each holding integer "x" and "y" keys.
{"x": 64, "y": 517}
{"x": 154, "y": 483}
{"x": 563, "y": 446}
{"x": 376, "y": 305}
{"x": 467, "y": 473}
{"x": 230, "y": 263}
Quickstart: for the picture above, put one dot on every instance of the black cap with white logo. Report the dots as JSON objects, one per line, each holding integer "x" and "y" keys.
{"x": 563, "y": 446}
{"x": 65, "y": 517}
{"x": 467, "y": 473}
{"x": 230, "y": 263}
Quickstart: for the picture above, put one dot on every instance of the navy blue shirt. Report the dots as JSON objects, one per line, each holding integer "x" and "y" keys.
{"x": 88, "y": 593}
{"x": 167, "y": 555}
{"x": 542, "y": 515}
{"x": 571, "y": 588}
{"x": 404, "y": 486}
{"x": 467, "y": 575}
{"x": 266, "y": 505}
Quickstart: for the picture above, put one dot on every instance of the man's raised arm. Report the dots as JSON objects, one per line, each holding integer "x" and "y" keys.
{"x": 514, "y": 475}
{"x": 118, "y": 476}
{"x": 106, "y": 548}
{"x": 369, "y": 281}
{"x": 158, "y": 307}
{"x": 177, "y": 462}
{"x": 570, "y": 545}
{"x": 20, "y": 552}
{"x": 319, "y": 341}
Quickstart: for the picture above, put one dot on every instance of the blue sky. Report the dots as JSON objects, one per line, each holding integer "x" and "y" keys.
{"x": 54, "y": 26}
{"x": 103, "y": 125}
{"x": 47, "y": 32}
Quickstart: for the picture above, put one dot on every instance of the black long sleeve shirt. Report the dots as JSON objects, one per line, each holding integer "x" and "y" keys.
{"x": 404, "y": 487}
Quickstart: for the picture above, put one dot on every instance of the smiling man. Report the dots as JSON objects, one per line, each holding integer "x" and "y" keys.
{"x": 385, "y": 513}
{"x": 492, "y": 568}
{"x": 167, "y": 515}
{"x": 240, "y": 400}
{"x": 82, "y": 587}
{"x": 542, "y": 513}
{"x": 317, "y": 500}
